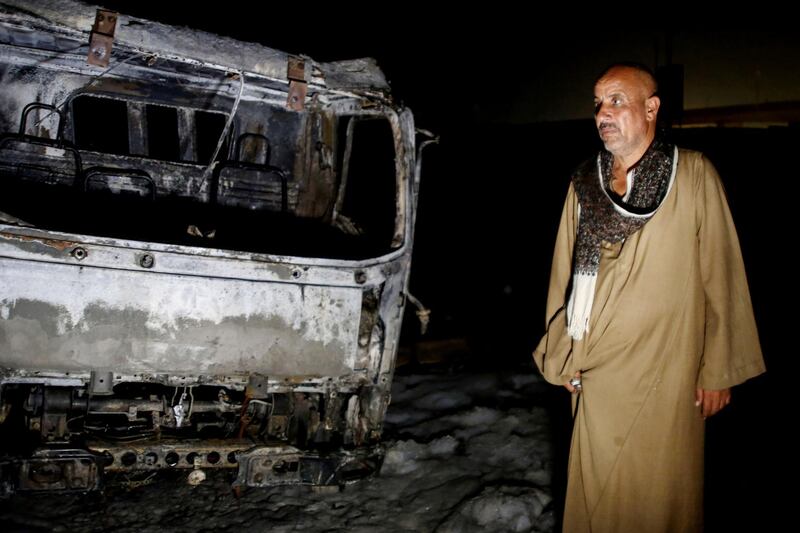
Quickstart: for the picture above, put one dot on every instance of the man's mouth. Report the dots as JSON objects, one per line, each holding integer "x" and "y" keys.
{"x": 606, "y": 127}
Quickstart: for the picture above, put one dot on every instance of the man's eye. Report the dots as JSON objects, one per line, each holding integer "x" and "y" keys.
{"x": 616, "y": 101}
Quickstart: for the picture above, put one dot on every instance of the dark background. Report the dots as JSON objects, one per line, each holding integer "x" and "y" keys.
{"x": 492, "y": 192}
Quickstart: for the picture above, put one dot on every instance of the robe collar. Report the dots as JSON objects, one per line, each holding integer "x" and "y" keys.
{"x": 605, "y": 216}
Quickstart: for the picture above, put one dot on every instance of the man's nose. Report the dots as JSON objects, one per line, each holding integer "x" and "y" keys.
{"x": 601, "y": 108}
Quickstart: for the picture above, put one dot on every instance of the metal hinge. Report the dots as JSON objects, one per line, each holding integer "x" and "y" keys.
{"x": 102, "y": 38}
{"x": 296, "y": 72}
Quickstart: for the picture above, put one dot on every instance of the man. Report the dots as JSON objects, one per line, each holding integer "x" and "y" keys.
{"x": 649, "y": 321}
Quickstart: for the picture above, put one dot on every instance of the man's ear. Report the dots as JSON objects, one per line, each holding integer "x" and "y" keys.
{"x": 651, "y": 105}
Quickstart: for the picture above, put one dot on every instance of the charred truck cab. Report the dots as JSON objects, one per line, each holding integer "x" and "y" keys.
{"x": 204, "y": 254}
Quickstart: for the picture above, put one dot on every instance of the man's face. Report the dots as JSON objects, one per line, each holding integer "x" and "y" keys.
{"x": 625, "y": 111}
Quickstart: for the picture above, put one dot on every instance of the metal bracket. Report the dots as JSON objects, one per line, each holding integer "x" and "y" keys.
{"x": 298, "y": 87}
{"x": 266, "y": 466}
{"x": 60, "y": 469}
{"x": 257, "y": 386}
{"x": 101, "y": 383}
{"x": 102, "y": 38}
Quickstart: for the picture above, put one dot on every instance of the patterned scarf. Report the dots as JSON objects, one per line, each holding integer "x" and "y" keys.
{"x": 605, "y": 216}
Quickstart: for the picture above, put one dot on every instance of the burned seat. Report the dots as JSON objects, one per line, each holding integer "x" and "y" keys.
{"x": 250, "y": 185}
{"x": 120, "y": 182}
{"x": 39, "y": 160}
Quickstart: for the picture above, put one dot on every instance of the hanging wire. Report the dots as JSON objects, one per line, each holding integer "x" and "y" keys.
{"x": 92, "y": 82}
{"x": 212, "y": 163}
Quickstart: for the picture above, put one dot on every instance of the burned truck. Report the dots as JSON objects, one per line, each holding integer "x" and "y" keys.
{"x": 204, "y": 254}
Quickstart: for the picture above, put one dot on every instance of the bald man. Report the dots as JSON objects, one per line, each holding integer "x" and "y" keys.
{"x": 649, "y": 320}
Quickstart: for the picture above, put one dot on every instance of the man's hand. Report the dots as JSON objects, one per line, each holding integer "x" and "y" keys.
{"x": 711, "y": 402}
{"x": 570, "y": 387}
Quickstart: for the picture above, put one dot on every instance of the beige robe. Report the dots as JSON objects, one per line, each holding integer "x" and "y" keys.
{"x": 671, "y": 313}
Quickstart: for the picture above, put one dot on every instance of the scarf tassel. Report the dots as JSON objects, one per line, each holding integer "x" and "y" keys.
{"x": 579, "y": 306}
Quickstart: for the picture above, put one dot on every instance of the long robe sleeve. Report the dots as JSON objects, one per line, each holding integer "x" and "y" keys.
{"x": 552, "y": 355}
{"x": 731, "y": 351}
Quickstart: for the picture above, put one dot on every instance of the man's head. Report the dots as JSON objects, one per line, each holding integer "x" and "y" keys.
{"x": 625, "y": 110}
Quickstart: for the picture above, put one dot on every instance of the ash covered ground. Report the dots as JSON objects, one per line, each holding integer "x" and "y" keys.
{"x": 466, "y": 451}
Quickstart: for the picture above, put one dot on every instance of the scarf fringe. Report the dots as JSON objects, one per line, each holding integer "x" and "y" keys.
{"x": 579, "y": 306}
